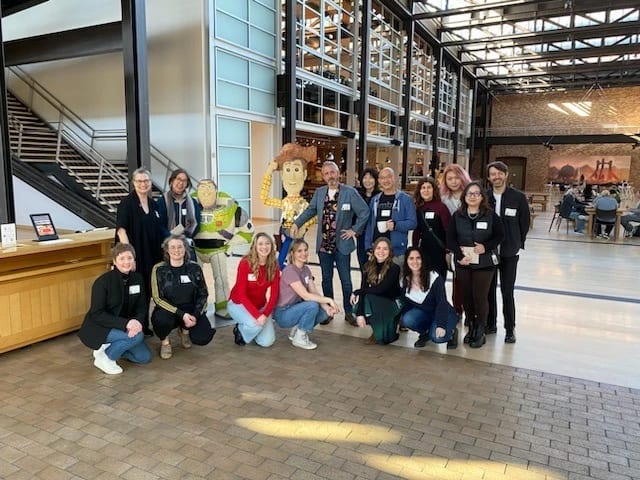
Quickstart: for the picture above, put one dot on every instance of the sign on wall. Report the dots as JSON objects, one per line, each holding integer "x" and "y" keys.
{"x": 596, "y": 169}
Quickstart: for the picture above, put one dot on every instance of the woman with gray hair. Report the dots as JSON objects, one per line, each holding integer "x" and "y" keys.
{"x": 142, "y": 223}
{"x": 180, "y": 294}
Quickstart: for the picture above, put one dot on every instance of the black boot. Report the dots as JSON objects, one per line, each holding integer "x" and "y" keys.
{"x": 453, "y": 341}
{"x": 479, "y": 338}
{"x": 470, "y": 333}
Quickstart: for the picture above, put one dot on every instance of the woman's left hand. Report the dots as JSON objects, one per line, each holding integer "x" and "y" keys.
{"x": 189, "y": 320}
{"x": 133, "y": 328}
{"x": 440, "y": 332}
{"x": 361, "y": 321}
{"x": 479, "y": 248}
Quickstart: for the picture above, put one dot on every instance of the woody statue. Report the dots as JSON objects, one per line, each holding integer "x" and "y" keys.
{"x": 292, "y": 162}
{"x": 223, "y": 224}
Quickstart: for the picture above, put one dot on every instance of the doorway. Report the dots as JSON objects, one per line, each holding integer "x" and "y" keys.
{"x": 517, "y": 170}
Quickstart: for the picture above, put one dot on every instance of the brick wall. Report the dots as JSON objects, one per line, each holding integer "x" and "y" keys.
{"x": 605, "y": 108}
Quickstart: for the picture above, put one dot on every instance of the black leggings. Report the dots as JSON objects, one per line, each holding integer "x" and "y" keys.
{"x": 163, "y": 322}
{"x": 475, "y": 291}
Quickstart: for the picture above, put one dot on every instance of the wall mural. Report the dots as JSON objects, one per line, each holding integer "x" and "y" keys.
{"x": 597, "y": 169}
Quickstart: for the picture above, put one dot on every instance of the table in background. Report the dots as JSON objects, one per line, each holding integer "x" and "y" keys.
{"x": 591, "y": 212}
{"x": 538, "y": 198}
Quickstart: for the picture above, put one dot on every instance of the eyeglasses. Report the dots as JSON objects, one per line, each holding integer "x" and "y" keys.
{"x": 176, "y": 247}
{"x": 142, "y": 181}
{"x": 474, "y": 194}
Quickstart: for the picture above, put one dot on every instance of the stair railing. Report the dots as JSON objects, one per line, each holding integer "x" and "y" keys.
{"x": 70, "y": 128}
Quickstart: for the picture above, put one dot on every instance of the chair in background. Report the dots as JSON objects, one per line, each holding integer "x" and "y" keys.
{"x": 556, "y": 212}
{"x": 604, "y": 217}
{"x": 564, "y": 212}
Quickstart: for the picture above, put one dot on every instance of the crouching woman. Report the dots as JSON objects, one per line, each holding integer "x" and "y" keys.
{"x": 426, "y": 308}
{"x": 376, "y": 302}
{"x": 300, "y": 307}
{"x": 180, "y": 294}
{"x": 113, "y": 326}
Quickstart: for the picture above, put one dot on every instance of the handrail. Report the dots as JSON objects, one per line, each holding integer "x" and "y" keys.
{"x": 79, "y": 134}
{"x": 545, "y": 130}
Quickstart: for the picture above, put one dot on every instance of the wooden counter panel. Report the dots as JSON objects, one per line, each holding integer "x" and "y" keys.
{"x": 45, "y": 290}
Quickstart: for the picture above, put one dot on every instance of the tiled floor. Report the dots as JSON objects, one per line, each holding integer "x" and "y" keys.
{"x": 562, "y": 403}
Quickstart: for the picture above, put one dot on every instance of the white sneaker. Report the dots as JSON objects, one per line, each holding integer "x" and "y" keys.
{"x": 104, "y": 363}
{"x": 293, "y": 331}
{"x": 301, "y": 340}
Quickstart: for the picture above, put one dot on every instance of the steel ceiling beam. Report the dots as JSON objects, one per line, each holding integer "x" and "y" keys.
{"x": 567, "y": 70}
{"x": 575, "y": 53}
{"x": 566, "y": 85}
{"x": 551, "y": 36}
{"x": 548, "y": 14}
{"x": 473, "y": 9}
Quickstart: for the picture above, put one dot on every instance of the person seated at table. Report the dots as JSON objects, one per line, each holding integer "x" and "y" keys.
{"x": 300, "y": 307}
{"x": 180, "y": 293}
{"x": 574, "y": 209}
{"x": 375, "y": 302}
{"x": 113, "y": 325}
{"x": 258, "y": 272}
{"x": 606, "y": 203}
{"x": 426, "y": 310}
{"x": 631, "y": 215}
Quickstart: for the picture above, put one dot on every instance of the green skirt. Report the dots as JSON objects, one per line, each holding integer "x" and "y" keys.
{"x": 382, "y": 314}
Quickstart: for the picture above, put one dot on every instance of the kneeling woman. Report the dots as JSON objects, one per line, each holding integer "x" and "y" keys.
{"x": 180, "y": 294}
{"x": 426, "y": 308}
{"x": 300, "y": 306}
{"x": 258, "y": 273}
{"x": 113, "y": 325}
{"x": 376, "y": 301}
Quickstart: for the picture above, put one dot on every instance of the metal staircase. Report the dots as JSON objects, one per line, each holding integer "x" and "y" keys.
{"x": 43, "y": 131}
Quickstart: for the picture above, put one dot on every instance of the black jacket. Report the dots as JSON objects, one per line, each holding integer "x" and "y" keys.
{"x": 516, "y": 217}
{"x": 107, "y": 300}
{"x": 486, "y": 229}
{"x": 164, "y": 281}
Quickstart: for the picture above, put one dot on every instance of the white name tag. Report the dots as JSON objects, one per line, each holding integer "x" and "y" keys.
{"x": 482, "y": 225}
{"x": 429, "y": 215}
{"x": 184, "y": 211}
{"x": 346, "y": 207}
{"x": 134, "y": 289}
{"x": 510, "y": 212}
{"x": 185, "y": 279}
{"x": 385, "y": 213}
{"x": 252, "y": 277}
{"x": 306, "y": 279}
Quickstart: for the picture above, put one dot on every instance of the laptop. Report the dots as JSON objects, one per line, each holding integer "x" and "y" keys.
{"x": 43, "y": 225}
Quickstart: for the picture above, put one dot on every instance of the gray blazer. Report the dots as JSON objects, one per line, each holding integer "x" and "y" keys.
{"x": 352, "y": 213}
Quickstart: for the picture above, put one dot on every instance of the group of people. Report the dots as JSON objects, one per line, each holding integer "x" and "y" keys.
{"x": 457, "y": 226}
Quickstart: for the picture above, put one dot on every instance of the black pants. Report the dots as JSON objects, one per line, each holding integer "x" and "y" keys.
{"x": 163, "y": 322}
{"x": 475, "y": 290}
{"x": 508, "y": 268}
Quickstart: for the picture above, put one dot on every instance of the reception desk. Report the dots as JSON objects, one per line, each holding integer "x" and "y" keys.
{"x": 45, "y": 288}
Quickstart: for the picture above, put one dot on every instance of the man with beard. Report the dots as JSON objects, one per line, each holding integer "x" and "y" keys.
{"x": 513, "y": 209}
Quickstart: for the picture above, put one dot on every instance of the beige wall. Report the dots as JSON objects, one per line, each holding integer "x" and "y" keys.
{"x": 609, "y": 109}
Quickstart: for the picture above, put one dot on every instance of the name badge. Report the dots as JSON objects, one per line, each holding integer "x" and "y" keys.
{"x": 184, "y": 211}
{"x": 510, "y": 212}
{"x": 252, "y": 277}
{"x": 429, "y": 215}
{"x": 306, "y": 279}
{"x": 385, "y": 213}
{"x": 134, "y": 289}
{"x": 185, "y": 279}
{"x": 346, "y": 207}
{"x": 482, "y": 225}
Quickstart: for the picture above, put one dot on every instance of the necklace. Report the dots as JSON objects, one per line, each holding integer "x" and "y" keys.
{"x": 472, "y": 216}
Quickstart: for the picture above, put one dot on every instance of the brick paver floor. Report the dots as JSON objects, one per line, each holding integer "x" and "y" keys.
{"x": 344, "y": 411}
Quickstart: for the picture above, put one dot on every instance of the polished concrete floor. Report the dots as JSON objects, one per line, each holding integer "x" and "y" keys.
{"x": 562, "y": 403}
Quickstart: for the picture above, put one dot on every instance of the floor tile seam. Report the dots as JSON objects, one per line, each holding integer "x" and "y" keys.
{"x": 552, "y": 377}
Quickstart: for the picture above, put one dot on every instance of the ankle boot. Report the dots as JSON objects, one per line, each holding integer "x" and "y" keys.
{"x": 478, "y": 339}
{"x": 453, "y": 341}
{"x": 470, "y": 333}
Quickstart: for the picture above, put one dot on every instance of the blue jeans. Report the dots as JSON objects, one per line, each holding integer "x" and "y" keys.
{"x": 305, "y": 315}
{"x": 422, "y": 322}
{"x": 580, "y": 219}
{"x": 343, "y": 264}
{"x": 132, "y": 348}
{"x": 264, "y": 335}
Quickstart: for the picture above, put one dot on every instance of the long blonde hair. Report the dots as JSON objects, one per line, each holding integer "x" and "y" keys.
{"x": 254, "y": 259}
{"x": 371, "y": 267}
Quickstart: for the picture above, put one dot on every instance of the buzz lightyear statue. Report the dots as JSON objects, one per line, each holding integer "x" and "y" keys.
{"x": 223, "y": 225}
{"x": 292, "y": 162}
